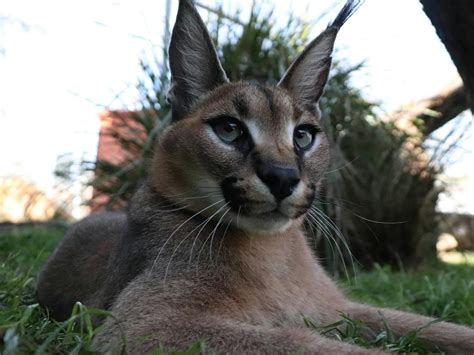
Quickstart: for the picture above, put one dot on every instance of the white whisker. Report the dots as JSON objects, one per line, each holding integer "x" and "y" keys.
{"x": 222, "y": 239}
{"x": 197, "y": 236}
{"x": 238, "y": 216}
{"x": 214, "y": 231}
{"x": 205, "y": 241}
{"x": 338, "y": 233}
{"x": 181, "y": 242}
{"x": 178, "y": 228}
{"x": 172, "y": 209}
{"x": 327, "y": 234}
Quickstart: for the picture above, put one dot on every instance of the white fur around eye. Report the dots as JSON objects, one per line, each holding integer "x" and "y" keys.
{"x": 254, "y": 131}
{"x": 316, "y": 143}
{"x": 290, "y": 130}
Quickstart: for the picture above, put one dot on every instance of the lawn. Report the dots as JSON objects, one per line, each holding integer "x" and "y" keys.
{"x": 439, "y": 290}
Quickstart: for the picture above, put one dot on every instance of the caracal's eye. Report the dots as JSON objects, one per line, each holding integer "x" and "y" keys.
{"x": 228, "y": 129}
{"x": 303, "y": 136}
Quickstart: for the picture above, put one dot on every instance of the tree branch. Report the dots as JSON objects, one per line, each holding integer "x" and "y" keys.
{"x": 443, "y": 107}
{"x": 435, "y": 111}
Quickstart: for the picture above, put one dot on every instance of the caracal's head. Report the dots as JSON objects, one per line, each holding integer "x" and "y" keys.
{"x": 243, "y": 152}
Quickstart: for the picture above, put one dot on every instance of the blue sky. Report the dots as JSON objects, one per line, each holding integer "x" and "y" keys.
{"x": 81, "y": 56}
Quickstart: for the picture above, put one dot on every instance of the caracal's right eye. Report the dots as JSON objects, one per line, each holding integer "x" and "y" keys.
{"x": 228, "y": 129}
{"x": 304, "y": 136}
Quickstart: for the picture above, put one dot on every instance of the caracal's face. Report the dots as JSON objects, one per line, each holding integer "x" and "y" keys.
{"x": 247, "y": 154}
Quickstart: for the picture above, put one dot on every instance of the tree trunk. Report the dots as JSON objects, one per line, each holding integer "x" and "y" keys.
{"x": 454, "y": 23}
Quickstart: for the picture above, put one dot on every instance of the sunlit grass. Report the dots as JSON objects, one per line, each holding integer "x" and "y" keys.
{"x": 457, "y": 257}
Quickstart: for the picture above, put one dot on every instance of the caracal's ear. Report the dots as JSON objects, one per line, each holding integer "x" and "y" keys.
{"x": 308, "y": 74}
{"x": 195, "y": 66}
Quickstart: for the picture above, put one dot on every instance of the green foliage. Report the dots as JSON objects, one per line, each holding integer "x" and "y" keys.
{"x": 380, "y": 189}
{"x": 257, "y": 49}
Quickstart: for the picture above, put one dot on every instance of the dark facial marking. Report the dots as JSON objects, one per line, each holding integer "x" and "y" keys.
{"x": 241, "y": 106}
{"x": 297, "y": 112}
{"x": 233, "y": 194}
{"x": 269, "y": 96}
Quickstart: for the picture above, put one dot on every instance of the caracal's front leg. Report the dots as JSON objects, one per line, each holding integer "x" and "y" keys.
{"x": 219, "y": 335}
{"x": 449, "y": 337}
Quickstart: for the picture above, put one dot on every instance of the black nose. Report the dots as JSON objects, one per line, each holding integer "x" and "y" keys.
{"x": 281, "y": 180}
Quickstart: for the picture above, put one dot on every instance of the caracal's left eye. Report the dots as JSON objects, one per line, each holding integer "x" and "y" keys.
{"x": 303, "y": 137}
{"x": 228, "y": 129}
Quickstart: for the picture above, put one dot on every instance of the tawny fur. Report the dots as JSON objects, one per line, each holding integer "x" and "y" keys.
{"x": 186, "y": 263}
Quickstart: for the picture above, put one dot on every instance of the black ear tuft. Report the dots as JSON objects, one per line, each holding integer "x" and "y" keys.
{"x": 347, "y": 11}
{"x": 308, "y": 74}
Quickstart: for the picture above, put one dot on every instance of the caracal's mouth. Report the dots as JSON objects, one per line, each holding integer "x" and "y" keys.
{"x": 271, "y": 221}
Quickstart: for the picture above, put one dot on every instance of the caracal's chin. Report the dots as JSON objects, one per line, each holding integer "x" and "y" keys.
{"x": 265, "y": 223}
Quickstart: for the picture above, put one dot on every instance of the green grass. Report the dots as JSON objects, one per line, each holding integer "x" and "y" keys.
{"x": 439, "y": 290}
{"x": 24, "y": 326}
{"x": 442, "y": 291}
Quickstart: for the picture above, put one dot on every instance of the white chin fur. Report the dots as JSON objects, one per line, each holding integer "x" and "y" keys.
{"x": 262, "y": 225}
